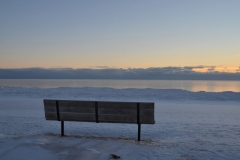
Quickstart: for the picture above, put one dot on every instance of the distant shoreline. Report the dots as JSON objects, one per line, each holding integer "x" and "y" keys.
{"x": 165, "y": 73}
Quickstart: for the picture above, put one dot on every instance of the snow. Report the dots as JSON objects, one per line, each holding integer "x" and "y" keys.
{"x": 128, "y": 94}
{"x": 189, "y": 126}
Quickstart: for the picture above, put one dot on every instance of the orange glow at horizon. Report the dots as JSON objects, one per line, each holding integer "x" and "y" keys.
{"x": 232, "y": 69}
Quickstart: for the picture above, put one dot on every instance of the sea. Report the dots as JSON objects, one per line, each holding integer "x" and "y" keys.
{"x": 188, "y": 85}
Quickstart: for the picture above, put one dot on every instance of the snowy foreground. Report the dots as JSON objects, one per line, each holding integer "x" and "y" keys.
{"x": 187, "y": 128}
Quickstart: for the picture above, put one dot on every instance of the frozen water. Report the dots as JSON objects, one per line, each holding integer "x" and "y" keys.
{"x": 129, "y": 94}
{"x": 189, "y": 126}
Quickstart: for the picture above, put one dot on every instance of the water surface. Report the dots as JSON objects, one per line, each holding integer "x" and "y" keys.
{"x": 190, "y": 85}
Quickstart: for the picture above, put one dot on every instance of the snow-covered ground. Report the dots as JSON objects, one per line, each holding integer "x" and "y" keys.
{"x": 189, "y": 126}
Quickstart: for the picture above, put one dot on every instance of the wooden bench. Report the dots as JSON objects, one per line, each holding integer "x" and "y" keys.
{"x": 99, "y": 111}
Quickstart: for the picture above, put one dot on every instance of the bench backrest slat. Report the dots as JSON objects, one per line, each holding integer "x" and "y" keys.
{"x": 112, "y": 112}
{"x": 66, "y": 116}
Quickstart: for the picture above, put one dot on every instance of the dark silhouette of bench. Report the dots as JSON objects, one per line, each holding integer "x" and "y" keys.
{"x": 100, "y": 112}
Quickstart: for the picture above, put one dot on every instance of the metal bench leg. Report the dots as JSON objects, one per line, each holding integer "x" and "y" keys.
{"x": 139, "y": 132}
{"x": 62, "y": 128}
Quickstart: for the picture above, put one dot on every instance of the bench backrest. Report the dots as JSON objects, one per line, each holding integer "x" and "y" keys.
{"x": 92, "y": 111}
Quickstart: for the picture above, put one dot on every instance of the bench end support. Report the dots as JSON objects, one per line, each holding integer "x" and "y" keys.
{"x": 139, "y": 131}
{"x": 62, "y": 128}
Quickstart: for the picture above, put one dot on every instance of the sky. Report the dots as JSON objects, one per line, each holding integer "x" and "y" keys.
{"x": 120, "y": 34}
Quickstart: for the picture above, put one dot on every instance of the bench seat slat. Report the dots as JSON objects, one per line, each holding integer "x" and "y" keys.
{"x": 146, "y": 112}
{"x": 49, "y": 103}
{"x": 84, "y": 104}
{"x": 147, "y": 120}
{"x": 117, "y": 118}
{"x": 64, "y": 116}
{"x": 77, "y": 109}
{"x": 50, "y": 108}
{"x": 51, "y": 115}
{"x": 125, "y": 119}
{"x": 146, "y": 106}
{"x": 118, "y": 111}
{"x": 114, "y": 105}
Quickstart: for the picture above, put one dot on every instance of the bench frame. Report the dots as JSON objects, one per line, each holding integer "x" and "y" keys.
{"x": 96, "y": 115}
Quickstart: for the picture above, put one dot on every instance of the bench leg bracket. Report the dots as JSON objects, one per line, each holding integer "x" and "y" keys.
{"x": 62, "y": 128}
{"x": 139, "y": 132}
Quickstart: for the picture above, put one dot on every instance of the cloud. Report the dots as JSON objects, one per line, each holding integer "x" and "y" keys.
{"x": 238, "y": 70}
{"x": 164, "y": 73}
{"x": 211, "y": 68}
{"x": 100, "y": 67}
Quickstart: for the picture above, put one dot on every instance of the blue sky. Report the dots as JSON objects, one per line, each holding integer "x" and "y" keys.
{"x": 120, "y": 34}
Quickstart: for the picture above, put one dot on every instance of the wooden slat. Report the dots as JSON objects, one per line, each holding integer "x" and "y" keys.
{"x": 84, "y": 104}
{"x": 50, "y": 109}
{"x": 117, "y": 118}
{"x": 146, "y": 106}
{"x": 51, "y": 115}
{"x": 77, "y": 109}
{"x": 117, "y": 111}
{"x": 147, "y": 120}
{"x": 49, "y": 102}
{"x": 117, "y": 105}
{"x": 147, "y": 112}
{"x": 77, "y": 117}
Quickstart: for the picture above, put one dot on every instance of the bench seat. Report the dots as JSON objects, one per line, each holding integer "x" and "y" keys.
{"x": 99, "y": 112}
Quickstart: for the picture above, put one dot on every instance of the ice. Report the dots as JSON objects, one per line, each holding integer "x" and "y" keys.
{"x": 129, "y": 94}
{"x": 189, "y": 126}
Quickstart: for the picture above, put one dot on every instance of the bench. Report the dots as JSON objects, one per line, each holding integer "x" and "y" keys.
{"x": 99, "y": 112}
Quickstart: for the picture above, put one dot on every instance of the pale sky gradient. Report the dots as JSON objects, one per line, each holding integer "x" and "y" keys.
{"x": 120, "y": 33}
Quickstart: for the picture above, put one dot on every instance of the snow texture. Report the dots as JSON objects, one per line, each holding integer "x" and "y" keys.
{"x": 129, "y": 94}
{"x": 189, "y": 126}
